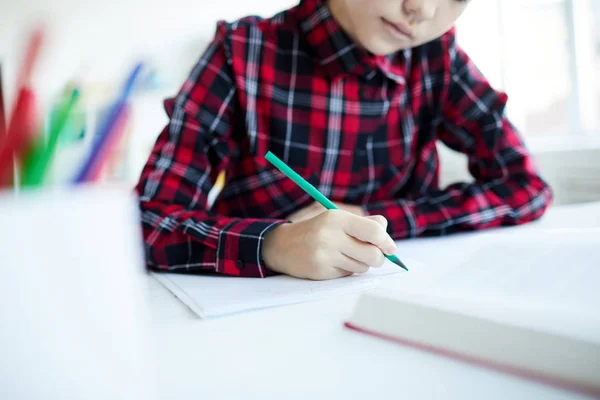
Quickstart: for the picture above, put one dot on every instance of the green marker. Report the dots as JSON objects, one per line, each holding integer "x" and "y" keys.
{"x": 39, "y": 161}
{"x": 314, "y": 193}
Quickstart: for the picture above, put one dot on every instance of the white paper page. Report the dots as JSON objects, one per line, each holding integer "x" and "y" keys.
{"x": 432, "y": 257}
{"x": 213, "y": 296}
{"x": 558, "y": 270}
{"x": 517, "y": 262}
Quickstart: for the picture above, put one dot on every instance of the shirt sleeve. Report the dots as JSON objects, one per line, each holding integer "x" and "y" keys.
{"x": 180, "y": 232}
{"x": 507, "y": 188}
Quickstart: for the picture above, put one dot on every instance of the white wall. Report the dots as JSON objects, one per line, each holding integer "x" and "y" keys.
{"x": 105, "y": 37}
{"x": 102, "y": 38}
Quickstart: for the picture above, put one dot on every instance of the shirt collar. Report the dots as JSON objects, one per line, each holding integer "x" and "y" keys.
{"x": 395, "y": 66}
{"x": 337, "y": 52}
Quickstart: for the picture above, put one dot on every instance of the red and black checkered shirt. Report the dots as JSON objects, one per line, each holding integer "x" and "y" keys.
{"x": 363, "y": 129}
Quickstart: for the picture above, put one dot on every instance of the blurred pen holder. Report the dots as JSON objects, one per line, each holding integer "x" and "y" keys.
{"x": 73, "y": 302}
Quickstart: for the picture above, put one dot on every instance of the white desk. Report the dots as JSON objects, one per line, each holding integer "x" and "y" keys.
{"x": 303, "y": 351}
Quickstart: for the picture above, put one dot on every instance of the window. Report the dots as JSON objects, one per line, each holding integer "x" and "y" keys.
{"x": 596, "y": 24}
{"x": 545, "y": 54}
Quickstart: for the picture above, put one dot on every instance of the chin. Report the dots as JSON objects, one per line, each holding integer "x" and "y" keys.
{"x": 383, "y": 48}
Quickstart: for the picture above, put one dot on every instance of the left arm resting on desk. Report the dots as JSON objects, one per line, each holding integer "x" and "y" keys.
{"x": 507, "y": 189}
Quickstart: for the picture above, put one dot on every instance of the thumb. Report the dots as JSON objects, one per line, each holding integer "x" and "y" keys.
{"x": 380, "y": 219}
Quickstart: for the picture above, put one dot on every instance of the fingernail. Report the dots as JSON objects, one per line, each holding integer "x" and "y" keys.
{"x": 392, "y": 249}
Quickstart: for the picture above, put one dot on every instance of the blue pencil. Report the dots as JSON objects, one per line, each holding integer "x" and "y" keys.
{"x": 102, "y": 139}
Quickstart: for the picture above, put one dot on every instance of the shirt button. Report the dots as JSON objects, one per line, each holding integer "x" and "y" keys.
{"x": 239, "y": 264}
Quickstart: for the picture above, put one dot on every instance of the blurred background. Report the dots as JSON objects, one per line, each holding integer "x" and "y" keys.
{"x": 544, "y": 53}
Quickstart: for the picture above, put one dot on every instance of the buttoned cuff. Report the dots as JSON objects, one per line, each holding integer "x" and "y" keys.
{"x": 239, "y": 250}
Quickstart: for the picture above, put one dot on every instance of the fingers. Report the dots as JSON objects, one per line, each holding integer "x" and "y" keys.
{"x": 380, "y": 219}
{"x": 316, "y": 206}
{"x": 351, "y": 208}
{"x": 325, "y": 274}
{"x": 308, "y": 212}
{"x": 361, "y": 252}
{"x": 333, "y": 245}
{"x": 370, "y": 230}
{"x": 351, "y": 265}
{"x": 340, "y": 273}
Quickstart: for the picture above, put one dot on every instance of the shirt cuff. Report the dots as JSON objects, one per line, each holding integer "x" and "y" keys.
{"x": 239, "y": 250}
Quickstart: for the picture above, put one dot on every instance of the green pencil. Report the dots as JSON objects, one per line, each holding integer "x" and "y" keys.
{"x": 314, "y": 193}
{"x": 41, "y": 157}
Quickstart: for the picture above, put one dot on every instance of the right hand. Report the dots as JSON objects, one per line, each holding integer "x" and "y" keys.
{"x": 316, "y": 208}
{"x": 331, "y": 245}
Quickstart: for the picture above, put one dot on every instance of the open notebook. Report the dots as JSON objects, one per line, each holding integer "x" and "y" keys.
{"x": 214, "y": 296}
{"x": 527, "y": 304}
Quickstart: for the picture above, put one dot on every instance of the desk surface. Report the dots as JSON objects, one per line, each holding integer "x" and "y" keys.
{"x": 303, "y": 351}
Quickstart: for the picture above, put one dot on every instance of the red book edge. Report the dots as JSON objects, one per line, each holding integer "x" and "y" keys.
{"x": 523, "y": 373}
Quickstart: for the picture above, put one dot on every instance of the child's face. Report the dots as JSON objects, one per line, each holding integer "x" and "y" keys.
{"x": 386, "y": 26}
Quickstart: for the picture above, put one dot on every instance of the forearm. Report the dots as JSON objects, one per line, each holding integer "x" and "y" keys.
{"x": 465, "y": 207}
{"x": 176, "y": 239}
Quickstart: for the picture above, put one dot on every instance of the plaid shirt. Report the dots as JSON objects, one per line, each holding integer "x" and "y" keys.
{"x": 361, "y": 128}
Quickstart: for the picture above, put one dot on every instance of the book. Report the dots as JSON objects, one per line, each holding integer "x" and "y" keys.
{"x": 528, "y": 306}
